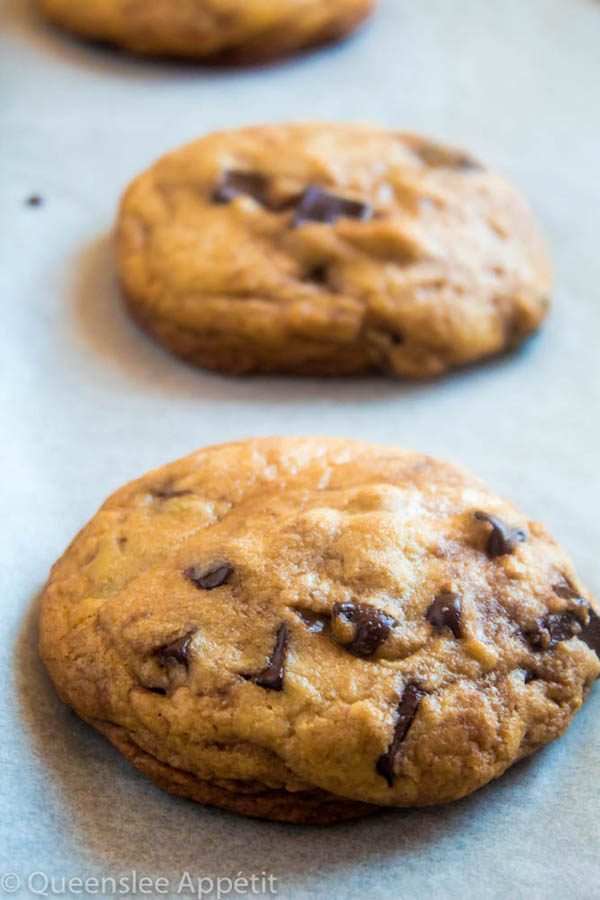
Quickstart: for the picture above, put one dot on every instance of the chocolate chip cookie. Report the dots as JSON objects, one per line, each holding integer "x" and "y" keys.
{"x": 331, "y": 250}
{"x": 222, "y": 30}
{"x": 311, "y": 629}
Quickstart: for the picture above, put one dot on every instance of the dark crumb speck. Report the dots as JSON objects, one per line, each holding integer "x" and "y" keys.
{"x": 396, "y": 338}
{"x": 317, "y": 274}
{"x": 34, "y": 200}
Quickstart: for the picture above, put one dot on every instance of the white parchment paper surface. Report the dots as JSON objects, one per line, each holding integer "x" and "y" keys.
{"x": 89, "y": 403}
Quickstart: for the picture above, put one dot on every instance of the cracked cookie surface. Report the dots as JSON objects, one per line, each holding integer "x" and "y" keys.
{"x": 227, "y": 30}
{"x": 329, "y": 249}
{"x": 303, "y": 629}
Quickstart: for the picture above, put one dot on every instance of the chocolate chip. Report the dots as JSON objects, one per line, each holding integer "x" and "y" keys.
{"x": 502, "y": 539}
{"x": 319, "y": 206}
{"x": 407, "y": 710}
{"x": 34, "y": 200}
{"x": 166, "y": 494}
{"x": 317, "y": 274}
{"x": 369, "y": 627}
{"x": 213, "y": 578}
{"x": 176, "y": 651}
{"x": 551, "y": 630}
{"x": 315, "y": 622}
{"x": 590, "y": 633}
{"x": 439, "y": 157}
{"x": 566, "y": 591}
{"x": 272, "y": 676}
{"x": 234, "y": 183}
{"x": 446, "y": 612}
{"x": 396, "y": 338}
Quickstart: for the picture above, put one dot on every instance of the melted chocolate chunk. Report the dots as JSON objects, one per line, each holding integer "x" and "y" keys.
{"x": 396, "y": 338}
{"x": 318, "y": 274}
{"x": 407, "y": 710}
{"x": 590, "y": 633}
{"x": 166, "y": 494}
{"x": 319, "y": 206}
{"x": 502, "y": 539}
{"x": 316, "y": 622}
{"x": 551, "y": 630}
{"x": 371, "y": 627}
{"x": 272, "y": 676}
{"x": 177, "y": 651}
{"x": 439, "y": 157}
{"x": 234, "y": 183}
{"x": 566, "y": 591}
{"x": 446, "y": 612}
{"x": 211, "y": 579}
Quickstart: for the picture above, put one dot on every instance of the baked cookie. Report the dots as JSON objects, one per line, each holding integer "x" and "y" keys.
{"x": 329, "y": 249}
{"x": 310, "y": 629}
{"x": 224, "y": 30}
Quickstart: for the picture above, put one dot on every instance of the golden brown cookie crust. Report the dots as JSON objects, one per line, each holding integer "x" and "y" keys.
{"x": 299, "y": 808}
{"x": 438, "y": 264}
{"x": 284, "y": 616}
{"x": 214, "y": 30}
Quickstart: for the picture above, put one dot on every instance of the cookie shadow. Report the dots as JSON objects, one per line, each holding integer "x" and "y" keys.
{"x": 99, "y": 318}
{"x": 103, "y": 811}
{"x": 24, "y": 19}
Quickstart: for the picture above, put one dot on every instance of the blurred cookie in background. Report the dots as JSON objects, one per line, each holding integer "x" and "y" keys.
{"x": 224, "y": 30}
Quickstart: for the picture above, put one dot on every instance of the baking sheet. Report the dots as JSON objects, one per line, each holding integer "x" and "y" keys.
{"x": 89, "y": 402}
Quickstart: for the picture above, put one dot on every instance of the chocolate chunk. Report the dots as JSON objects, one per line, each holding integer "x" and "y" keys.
{"x": 566, "y": 591}
{"x": 407, "y": 710}
{"x": 211, "y": 579}
{"x": 234, "y": 183}
{"x": 446, "y": 612}
{"x": 502, "y": 539}
{"x": 316, "y": 622}
{"x": 272, "y": 677}
{"x": 551, "y": 630}
{"x": 590, "y": 633}
{"x": 439, "y": 157}
{"x": 396, "y": 338}
{"x": 166, "y": 494}
{"x": 177, "y": 651}
{"x": 34, "y": 200}
{"x": 319, "y": 206}
{"x": 317, "y": 274}
{"x": 370, "y": 627}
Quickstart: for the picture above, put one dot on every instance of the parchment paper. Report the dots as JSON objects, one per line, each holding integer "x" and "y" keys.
{"x": 90, "y": 403}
